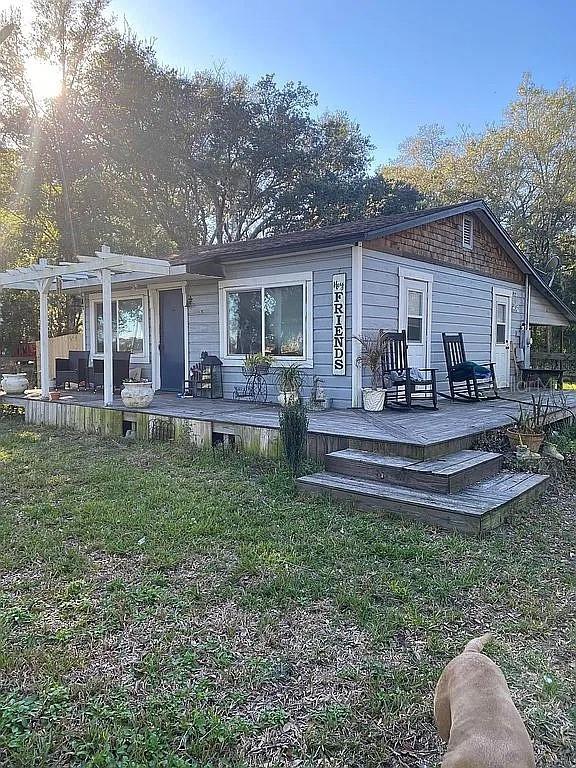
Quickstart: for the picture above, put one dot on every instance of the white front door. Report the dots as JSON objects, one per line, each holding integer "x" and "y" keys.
{"x": 414, "y": 317}
{"x": 501, "y": 331}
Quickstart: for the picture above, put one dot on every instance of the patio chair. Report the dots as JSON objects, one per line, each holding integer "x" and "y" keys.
{"x": 120, "y": 371}
{"x": 72, "y": 369}
{"x": 468, "y": 380}
{"x": 407, "y": 387}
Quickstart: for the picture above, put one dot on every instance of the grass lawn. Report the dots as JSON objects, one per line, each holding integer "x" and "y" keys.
{"x": 161, "y": 607}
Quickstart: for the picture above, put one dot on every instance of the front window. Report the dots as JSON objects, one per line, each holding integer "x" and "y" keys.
{"x": 127, "y": 325}
{"x": 268, "y": 319}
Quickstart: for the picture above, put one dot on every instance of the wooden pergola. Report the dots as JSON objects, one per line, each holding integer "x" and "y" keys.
{"x": 76, "y": 275}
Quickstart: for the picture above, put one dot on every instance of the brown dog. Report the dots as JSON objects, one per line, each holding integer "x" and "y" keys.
{"x": 475, "y": 714}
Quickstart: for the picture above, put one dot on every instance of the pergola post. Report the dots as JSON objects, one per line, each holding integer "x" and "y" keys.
{"x": 43, "y": 291}
{"x": 108, "y": 338}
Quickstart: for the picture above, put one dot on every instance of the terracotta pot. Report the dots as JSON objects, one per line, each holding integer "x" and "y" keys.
{"x": 54, "y": 396}
{"x": 532, "y": 441}
{"x": 137, "y": 394}
{"x": 373, "y": 399}
{"x": 14, "y": 383}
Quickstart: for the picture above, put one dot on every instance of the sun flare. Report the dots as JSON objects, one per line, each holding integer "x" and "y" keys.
{"x": 44, "y": 79}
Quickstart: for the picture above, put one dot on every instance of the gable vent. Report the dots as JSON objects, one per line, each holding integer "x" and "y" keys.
{"x": 468, "y": 232}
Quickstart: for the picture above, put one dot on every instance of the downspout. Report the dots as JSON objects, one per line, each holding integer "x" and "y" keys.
{"x": 527, "y": 337}
{"x": 357, "y": 303}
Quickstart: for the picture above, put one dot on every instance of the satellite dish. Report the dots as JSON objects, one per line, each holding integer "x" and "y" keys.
{"x": 552, "y": 264}
{"x": 550, "y": 267}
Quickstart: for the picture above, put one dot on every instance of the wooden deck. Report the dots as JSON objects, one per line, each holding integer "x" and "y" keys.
{"x": 417, "y": 434}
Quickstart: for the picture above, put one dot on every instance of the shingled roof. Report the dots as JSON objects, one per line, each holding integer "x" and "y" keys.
{"x": 207, "y": 259}
{"x": 309, "y": 239}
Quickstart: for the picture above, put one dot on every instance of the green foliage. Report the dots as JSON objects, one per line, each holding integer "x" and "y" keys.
{"x": 258, "y": 360}
{"x": 373, "y": 346}
{"x": 149, "y": 160}
{"x": 290, "y": 378}
{"x": 293, "y": 432}
{"x": 524, "y": 167}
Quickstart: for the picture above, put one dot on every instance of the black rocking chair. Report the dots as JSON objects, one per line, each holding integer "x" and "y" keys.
{"x": 465, "y": 383}
{"x": 404, "y": 390}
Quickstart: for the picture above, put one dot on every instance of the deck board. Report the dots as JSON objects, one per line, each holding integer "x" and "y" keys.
{"x": 418, "y": 433}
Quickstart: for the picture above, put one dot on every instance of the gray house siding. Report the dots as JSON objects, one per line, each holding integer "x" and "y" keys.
{"x": 461, "y": 301}
{"x": 542, "y": 312}
{"x": 204, "y": 328}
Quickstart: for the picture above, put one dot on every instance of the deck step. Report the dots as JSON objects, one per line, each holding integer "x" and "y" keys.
{"x": 446, "y": 474}
{"x": 476, "y": 509}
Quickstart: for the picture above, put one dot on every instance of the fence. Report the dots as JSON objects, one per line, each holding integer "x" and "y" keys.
{"x": 59, "y": 346}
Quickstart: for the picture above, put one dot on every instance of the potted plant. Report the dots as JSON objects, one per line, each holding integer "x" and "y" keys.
{"x": 529, "y": 427}
{"x": 14, "y": 382}
{"x": 290, "y": 380}
{"x": 373, "y": 347}
{"x": 258, "y": 363}
{"x": 137, "y": 394}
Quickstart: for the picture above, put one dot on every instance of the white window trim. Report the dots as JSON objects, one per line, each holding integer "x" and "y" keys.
{"x": 96, "y": 298}
{"x": 404, "y": 274}
{"x": 468, "y": 246}
{"x": 276, "y": 281}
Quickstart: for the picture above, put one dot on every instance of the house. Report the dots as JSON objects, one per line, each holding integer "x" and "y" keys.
{"x": 444, "y": 269}
{"x": 305, "y": 297}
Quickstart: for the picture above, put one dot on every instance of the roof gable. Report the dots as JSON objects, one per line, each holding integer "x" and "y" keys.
{"x": 201, "y": 258}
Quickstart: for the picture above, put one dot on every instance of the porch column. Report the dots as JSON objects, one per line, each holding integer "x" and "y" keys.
{"x": 357, "y": 320}
{"x": 108, "y": 339}
{"x": 43, "y": 291}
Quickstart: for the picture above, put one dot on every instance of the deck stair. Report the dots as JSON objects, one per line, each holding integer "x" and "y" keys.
{"x": 466, "y": 491}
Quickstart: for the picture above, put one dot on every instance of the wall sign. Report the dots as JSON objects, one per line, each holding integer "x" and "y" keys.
{"x": 339, "y": 325}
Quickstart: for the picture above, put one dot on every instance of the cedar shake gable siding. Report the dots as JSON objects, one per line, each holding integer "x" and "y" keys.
{"x": 440, "y": 242}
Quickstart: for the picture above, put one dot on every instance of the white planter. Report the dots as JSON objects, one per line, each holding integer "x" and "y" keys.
{"x": 14, "y": 383}
{"x": 137, "y": 394}
{"x": 290, "y": 397}
{"x": 373, "y": 399}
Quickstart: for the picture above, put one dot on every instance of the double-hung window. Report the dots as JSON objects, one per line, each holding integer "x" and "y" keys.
{"x": 129, "y": 327}
{"x": 268, "y": 316}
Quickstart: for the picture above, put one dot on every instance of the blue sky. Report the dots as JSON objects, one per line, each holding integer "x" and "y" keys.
{"x": 392, "y": 65}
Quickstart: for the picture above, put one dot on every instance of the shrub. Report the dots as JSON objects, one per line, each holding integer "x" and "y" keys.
{"x": 293, "y": 431}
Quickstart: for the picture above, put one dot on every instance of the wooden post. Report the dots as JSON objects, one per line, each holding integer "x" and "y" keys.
{"x": 357, "y": 302}
{"x": 43, "y": 291}
{"x": 108, "y": 338}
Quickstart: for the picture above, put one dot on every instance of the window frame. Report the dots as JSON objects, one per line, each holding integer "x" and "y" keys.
{"x": 305, "y": 279}
{"x": 96, "y": 298}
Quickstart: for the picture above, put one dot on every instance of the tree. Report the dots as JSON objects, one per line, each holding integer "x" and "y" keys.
{"x": 148, "y": 159}
{"x": 524, "y": 167}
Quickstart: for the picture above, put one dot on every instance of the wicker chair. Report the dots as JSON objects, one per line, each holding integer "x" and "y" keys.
{"x": 120, "y": 371}
{"x": 72, "y": 369}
